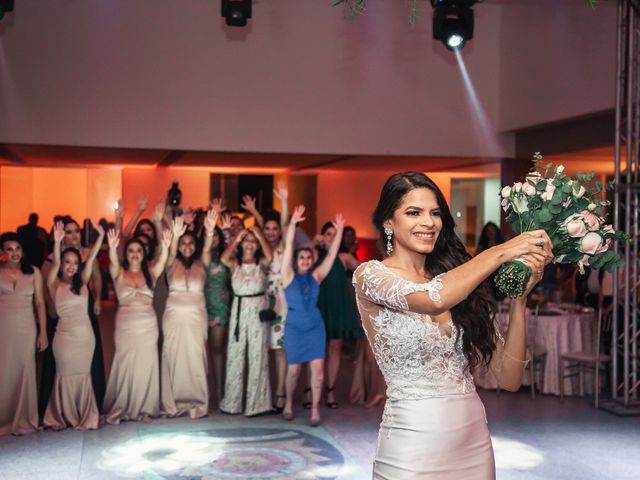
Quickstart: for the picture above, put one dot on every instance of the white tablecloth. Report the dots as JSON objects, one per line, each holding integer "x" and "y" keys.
{"x": 561, "y": 333}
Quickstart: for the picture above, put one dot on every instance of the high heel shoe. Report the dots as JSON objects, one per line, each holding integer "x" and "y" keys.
{"x": 288, "y": 416}
{"x": 315, "y": 421}
{"x": 306, "y": 404}
{"x": 277, "y": 409}
{"x": 331, "y": 405}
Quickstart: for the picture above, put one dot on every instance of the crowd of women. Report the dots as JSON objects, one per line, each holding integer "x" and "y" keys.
{"x": 206, "y": 301}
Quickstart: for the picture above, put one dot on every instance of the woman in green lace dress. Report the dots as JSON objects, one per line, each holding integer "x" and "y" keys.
{"x": 217, "y": 293}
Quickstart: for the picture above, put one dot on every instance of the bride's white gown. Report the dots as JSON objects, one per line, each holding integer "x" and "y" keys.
{"x": 434, "y": 425}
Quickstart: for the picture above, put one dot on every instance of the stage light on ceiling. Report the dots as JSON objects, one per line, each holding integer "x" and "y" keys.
{"x": 236, "y": 12}
{"x": 453, "y": 22}
{"x": 5, "y": 6}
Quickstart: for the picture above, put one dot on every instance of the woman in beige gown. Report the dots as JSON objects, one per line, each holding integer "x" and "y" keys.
{"x": 133, "y": 391}
{"x": 20, "y": 291}
{"x": 72, "y": 401}
{"x": 184, "y": 388}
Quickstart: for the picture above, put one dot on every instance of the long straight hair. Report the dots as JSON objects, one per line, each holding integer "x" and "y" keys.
{"x": 473, "y": 316}
{"x": 144, "y": 265}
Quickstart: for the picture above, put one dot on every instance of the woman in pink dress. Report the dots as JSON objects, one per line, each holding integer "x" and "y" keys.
{"x": 21, "y": 290}
{"x": 133, "y": 391}
{"x": 72, "y": 401}
{"x": 429, "y": 320}
{"x": 184, "y": 388}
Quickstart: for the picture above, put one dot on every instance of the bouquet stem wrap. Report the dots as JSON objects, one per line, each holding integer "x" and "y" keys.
{"x": 513, "y": 278}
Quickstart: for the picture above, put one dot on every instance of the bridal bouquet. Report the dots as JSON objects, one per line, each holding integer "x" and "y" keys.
{"x": 570, "y": 210}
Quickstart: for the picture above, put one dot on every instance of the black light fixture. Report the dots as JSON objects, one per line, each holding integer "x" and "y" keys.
{"x": 453, "y": 22}
{"x": 236, "y": 12}
{"x": 5, "y": 6}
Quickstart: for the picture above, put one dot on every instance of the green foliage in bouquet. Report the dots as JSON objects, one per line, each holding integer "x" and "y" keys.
{"x": 570, "y": 210}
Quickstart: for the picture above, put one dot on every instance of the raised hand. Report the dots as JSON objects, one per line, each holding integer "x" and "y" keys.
{"x": 98, "y": 228}
{"x": 119, "y": 210}
{"x": 256, "y": 231}
{"x": 113, "y": 238}
{"x": 142, "y": 202}
{"x": 166, "y": 238}
{"x": 178, "y": 227}
{"x": 158, "y": 211}
{"x": 217, "y": 205}
{"x": 536, "y": 263}
{"x": 225, "y": 221}
{"x": 248, "y": 203}
{"x": 281, "y": 192}
{"x": 338, "y": 223}
{"x": 298, "y": 214}
{"x": 210, "y": 220}
{"x": 58, "y": 232}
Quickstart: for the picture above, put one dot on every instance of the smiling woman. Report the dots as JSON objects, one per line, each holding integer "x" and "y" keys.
{"x": 429, "y": 320}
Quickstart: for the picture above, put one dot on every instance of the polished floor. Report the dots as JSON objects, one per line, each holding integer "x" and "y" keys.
{"x": 541, "y": 439}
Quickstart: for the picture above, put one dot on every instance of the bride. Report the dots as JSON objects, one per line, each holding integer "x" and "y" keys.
{"x": 429, "y": 319}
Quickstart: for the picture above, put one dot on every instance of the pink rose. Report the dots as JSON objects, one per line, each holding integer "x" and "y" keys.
{"x": 548, "y": 191}
{"x": 505, "y": 204}
{"x": 605, "y": 246}
{"x": 506, "y": 191}
{"x": 517, "y": 187}
{"x": 608, "y": 229}
{"x": 534, "y": 177}
{"x": 575, "y": 226}
{"x": 591, "y": 220}
{"x": 560, "y": 169}
{"x": 528, "y": 189}
{"x": 590, "y": 243}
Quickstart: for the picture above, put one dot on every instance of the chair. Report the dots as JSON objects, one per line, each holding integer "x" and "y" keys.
{"x": 536, "y": 354}
{"x": 578, "y": 362}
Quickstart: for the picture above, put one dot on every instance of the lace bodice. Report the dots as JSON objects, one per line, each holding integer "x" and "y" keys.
{"x": 416, "y": 359}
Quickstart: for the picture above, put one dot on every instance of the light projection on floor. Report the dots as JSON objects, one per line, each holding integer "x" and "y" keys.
{"x": 514, "y": 455}
{"x": 227, "y": 452}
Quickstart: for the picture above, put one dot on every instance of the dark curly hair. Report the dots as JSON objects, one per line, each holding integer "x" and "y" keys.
{"x": 474, "y": 315}
{"x": 25, "y": 264}
{"x": 187, "y": 262}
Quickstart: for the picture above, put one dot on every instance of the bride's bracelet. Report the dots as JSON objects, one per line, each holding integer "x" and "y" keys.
{"x": 523, "y": 362}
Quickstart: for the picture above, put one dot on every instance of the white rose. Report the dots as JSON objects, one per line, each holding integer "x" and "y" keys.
{"x": 520, "y": 204}
{"x": 505, "y": 204}
{"x": 528, "y": 189}
{"x": 517, "y": 187}
{"x": 506, "y": 191}
{"x": 560, "y": 169}
{"x": 580, "y": 192}
{"x": 590, "y": 243}
{"x": 591, "y": 207}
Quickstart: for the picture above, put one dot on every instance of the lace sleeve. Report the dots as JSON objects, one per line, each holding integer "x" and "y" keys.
{"x": 375, "y": 282}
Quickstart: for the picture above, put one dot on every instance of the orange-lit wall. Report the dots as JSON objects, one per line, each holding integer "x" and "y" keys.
{"x": 79, "y": 192}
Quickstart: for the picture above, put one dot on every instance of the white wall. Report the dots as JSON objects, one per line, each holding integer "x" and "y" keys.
{"x": 557, "y": 60}
{"x": 300, "y": 78}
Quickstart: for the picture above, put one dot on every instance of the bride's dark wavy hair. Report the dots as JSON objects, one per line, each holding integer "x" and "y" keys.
{"x": 474, "y": 315}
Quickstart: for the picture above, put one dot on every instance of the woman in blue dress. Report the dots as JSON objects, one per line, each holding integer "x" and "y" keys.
{"x": 305, "y": 336}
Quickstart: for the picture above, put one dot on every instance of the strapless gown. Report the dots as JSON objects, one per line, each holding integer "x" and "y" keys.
{"x": 72, "y": 401}
{"x": 183, "y": 383}
{"x": 18, "y": 393}
{"x": 434, "y": 425}
{"x": 133, "y": 391}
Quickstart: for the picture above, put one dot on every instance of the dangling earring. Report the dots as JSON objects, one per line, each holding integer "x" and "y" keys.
{"x": 389, "y": 233}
